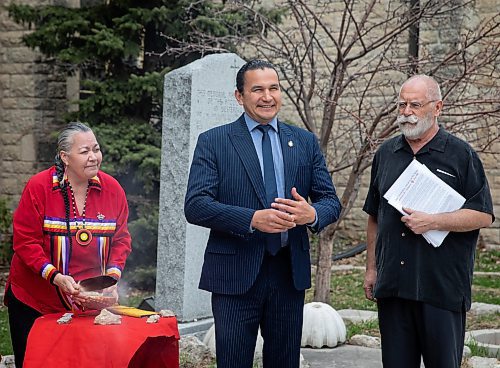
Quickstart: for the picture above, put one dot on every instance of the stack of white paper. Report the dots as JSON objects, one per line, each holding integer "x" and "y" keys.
{"x": 420, "y": 189}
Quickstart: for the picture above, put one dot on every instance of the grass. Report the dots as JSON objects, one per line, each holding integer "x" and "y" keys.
{"x": 347, "y": 292}
{"x": 487, "y": 260}
{"x": 369, "y": 328}
{"x": 5, "y": 345}
{"x": 478, "y": 350}
{"x": 485, "y": 289}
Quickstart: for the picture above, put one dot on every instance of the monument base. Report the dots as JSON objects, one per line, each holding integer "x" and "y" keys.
{"x": 197, "y": 328}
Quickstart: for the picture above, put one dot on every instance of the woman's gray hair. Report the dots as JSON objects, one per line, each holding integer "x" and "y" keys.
{"x": 65, "y": 138}
{"x": 64, "y": 143}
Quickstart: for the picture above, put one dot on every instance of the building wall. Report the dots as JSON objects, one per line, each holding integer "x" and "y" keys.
{"x": 33, "y": 99}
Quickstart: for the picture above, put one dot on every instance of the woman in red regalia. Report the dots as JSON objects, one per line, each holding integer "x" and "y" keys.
{"x": 71, "y": 224}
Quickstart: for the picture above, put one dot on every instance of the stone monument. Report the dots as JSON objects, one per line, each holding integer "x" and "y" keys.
{"x": 197, "y": 97}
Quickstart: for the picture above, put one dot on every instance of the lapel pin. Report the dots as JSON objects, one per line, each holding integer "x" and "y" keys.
{"x": 100, "y": 216}
{"x": 290, "y": 144}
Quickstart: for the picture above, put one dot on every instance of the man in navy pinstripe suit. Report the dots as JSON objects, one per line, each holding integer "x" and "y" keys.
{"x": 253, "y": 285}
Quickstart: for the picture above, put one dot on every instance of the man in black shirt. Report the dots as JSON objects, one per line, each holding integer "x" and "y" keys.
{"x": 423, "y": 291}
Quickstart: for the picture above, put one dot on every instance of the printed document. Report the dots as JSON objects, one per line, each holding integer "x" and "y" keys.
{"x": 420, "y": 189}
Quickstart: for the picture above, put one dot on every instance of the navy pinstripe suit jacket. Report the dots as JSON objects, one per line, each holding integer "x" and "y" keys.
{"x": 225, "y": 188}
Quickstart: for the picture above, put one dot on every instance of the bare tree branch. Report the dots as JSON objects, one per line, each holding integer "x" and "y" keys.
{"x": 341, "y": 64}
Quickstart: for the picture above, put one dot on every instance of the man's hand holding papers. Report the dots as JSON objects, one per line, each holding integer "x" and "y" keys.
{"x": 422, "y": 193}
{"x": 418, "y": 222}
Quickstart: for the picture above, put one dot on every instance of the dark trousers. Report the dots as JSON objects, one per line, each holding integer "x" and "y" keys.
{"x": 272, "y": 303}
{"x": 21, "y": 319}
{"x": 411, "y": 330}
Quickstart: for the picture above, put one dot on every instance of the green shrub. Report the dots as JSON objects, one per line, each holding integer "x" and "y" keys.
{"x": 142, "y": 278}
{"x": 5, "y": 344}
{"x": 5, "y": 232}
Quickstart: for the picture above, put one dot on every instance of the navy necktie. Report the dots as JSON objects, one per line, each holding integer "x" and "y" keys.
{"x": 273, "y": 241}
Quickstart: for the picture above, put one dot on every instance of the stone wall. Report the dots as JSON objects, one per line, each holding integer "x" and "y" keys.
{"x": 33, "y": 99}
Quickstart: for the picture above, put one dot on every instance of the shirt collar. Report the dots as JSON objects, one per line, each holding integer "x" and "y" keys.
{"x": 437, "y": 143}
{"x": 94, "y": 182}
{"x": 252, "y": 124}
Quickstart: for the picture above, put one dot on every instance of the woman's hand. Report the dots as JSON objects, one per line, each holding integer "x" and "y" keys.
{"x": 67, "y": 284}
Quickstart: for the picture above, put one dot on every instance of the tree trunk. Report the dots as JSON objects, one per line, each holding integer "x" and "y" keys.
{"x": 324, "y": 267}
{"x": 325, "y": 245}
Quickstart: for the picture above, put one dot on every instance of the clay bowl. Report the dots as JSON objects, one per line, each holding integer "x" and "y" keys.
{"x": 97, "y": 300}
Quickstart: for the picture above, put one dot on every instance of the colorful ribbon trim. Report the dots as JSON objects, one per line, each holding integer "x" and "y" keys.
{"x": 47, "y": 271}
{"x": 114, "y": 272}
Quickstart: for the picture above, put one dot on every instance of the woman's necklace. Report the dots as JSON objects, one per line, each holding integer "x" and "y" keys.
{"x": 83, "y": 236}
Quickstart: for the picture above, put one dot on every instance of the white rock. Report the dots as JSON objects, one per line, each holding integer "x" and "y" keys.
{"x": 356, "y": 316}
{"x": 65, "y": 319}
{"x": 323, "y": 326}
{"x": 467, "y": 352}
{"x": 480, "y": 309}
{"x": 365, "y": 340}
{"x": 107, "y": 318}
{"x": 480, "y": 362}
{"x": 154, "y": 318}
{"x": 195, "y": 350}
{"x": 487, "y": 339}
{"x": 7, "y": 361}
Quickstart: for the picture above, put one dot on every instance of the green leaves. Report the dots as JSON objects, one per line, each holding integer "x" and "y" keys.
{"x": 132, "y": 149}
{"x": 120, "y": 48}
{"x": 111, "y": 100}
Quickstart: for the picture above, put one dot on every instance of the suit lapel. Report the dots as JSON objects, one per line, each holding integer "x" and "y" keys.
{"x": 290, "y": 153}
{"x": 242, "y": 142}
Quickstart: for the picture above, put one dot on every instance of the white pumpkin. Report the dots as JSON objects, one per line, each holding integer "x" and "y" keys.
{"x": 323, "y": 326}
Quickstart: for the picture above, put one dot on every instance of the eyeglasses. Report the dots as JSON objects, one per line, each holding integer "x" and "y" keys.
{"x": 414, "y": 106}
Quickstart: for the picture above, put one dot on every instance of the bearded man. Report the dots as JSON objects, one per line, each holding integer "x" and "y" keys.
{"x": 423, "y": 292}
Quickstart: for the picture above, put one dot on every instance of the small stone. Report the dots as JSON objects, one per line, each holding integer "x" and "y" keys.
{"x": 480, "y": 309}
{"x": 65, "y": 319}
{"x": 467, "y": 352}
{"x": 196, "y": 351}
{"x": 154, "y": 318}
{"x": 365, "y": 340}
{"x": 107, "y": 318}
{"x": 7, "y": 361}
{"x": 482, "y": 362}
{"x": 356, "y": 316}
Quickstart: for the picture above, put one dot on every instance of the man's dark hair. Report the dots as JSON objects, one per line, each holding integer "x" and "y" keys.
{"x": 251, "y": 65}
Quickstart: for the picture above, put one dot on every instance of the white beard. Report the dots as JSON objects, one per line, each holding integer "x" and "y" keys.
{"x": 412, "y": 127}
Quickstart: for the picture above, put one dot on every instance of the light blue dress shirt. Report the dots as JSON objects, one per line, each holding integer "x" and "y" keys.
{"x": 279, "y": 167}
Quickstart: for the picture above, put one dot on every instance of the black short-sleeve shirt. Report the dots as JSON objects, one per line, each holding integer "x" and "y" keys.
{"x": 407, "y": 266}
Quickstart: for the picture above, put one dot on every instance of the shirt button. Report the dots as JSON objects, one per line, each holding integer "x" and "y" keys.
{"x": 402, "y": 263}
{"x": 403, "y": 234}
